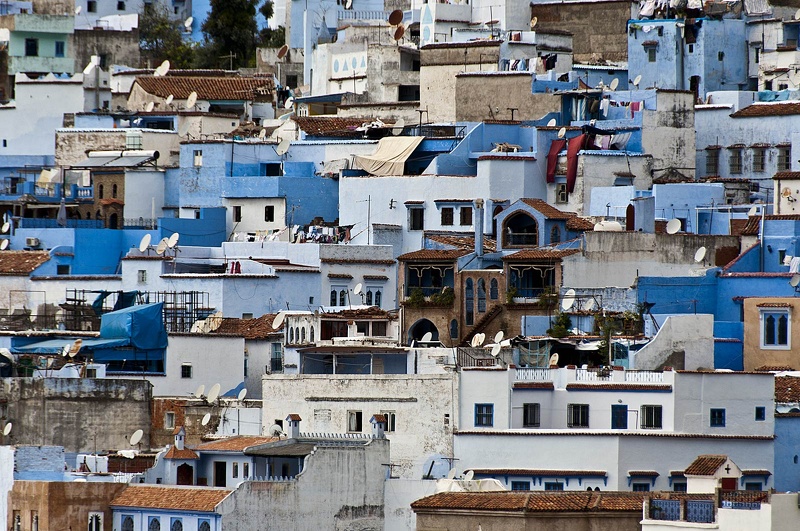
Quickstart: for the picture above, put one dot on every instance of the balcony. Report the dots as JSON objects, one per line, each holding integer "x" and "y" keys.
{"x": 18, "y": 64}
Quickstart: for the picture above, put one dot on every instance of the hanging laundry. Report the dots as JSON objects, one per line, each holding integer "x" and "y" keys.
{"x": 794, "y": 265}
{"x": 552, "y": 158}
{"x": 574, "y": 146}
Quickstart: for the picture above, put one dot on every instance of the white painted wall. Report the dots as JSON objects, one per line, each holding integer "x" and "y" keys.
{"x": 693, "y": 334}
{"x": 144, "y": 194}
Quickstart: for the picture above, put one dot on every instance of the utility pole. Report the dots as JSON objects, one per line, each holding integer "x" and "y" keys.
{"x": 231, "y": 56}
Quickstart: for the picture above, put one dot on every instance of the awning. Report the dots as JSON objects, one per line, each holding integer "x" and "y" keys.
{"x": 47, "y": 178}
{"x": 56, "y": 346}
{"x": 391, "y": 155}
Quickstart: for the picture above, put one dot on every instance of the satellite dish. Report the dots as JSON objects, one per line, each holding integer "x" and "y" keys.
{"x": 289, "y": 104}
{"x": 191, "y": 100}
{"x": 426, "y": 338}
{"x": 188, "y": 23}
{"x": 200, "y": 390}
{"x": 451, "y": 474}
{"x": 795, "y": 280}
{"x": 136, "y": 437}
{"x": 396, "y": 17}
{"x": 468, "y": 476}
{"x": 786, "y": 192}
{"x": 797, "y": 15}
{"x": 7, "y": 429}
{"x": 398, "y": 126}
{"x": 65, "y": 350}
{"x": 534, "y": 21}
{"x": 3, "y": 245}
{"x": 357, "y": 290}
{"x": 496, "y": 349}
{"x": 75, "y": 348}
{"x": 614, "y": 84}
{"x": 474, "y": 341}
{"x": 213, "y": 394}
{"x": 169, "y": 99}
{"x": 589, "y": 305}
{"x": 569, "y": 300}
{"x": 161, "y": 247}
{"x": 278, "y": 321}
{"x": 700, "y": 254}
{"x": 241, "y": 395}
{"x": 399, "y": 32}
{"x": 5, "y": 228}
{"x": 275, "y": 430}
{"x": 149, "y": 107}
{"x": 505, "y": 343}
{"x": 498, "y": 337}
{"x": 553, "y": 360}
{"x": 283, "y": 51}
{"x": 551, "y": 123}
{"x": 144, "y": 243}
{"x": 262, "y": 134}
{"x": 173, "y": 240}
{"x": 753, "y": 211}
{"x": 78, "y": 10}
{"x": 637, "y": 80}
{"x": 673, "y": 226}
{"x": 206, "y": 419}
{"x": 283, "y": 147}
{"x": 163, "y": 68}
{"x": 562, "y": 132}
{"x": 348, "y": 4}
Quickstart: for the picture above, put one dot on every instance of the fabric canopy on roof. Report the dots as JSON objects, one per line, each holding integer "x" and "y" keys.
{"x": 141, "y": 324}
{"x": 390, "y": 157}
{"x": 55, "y": 346}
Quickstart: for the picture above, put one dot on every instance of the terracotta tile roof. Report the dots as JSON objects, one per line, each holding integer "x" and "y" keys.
{"x": 787, "y": 389}
{"x": 468, "y": 44}
{"x": 643, "y": 473}
{"x": 774, "y": 368}
{"x": 537, "y": 472}
{"x": 234, "y": 444}
{"x": 294, "y": 417}
{"x": 330, "y": 126}
{"x": 737, "y": 226}
{"x": 434, "y": 254}
{"x": 618, "y": 387}
{"x": 463, "y": 241}
{"x": 376, "y": 277}
{"x": 752, "y": 226}
{"x": 773, "y": 305}
{"x": 377, "y": 417}
{"x": 111, "y": 201}
{"x": 207, "y": 88}
{"x": 768, "y": 109}
{"x": 373, "y": 312}
{"x": 546, "y": 209}
{"x": 170, "y": 498}
{"x": 497, "y": 156}
{"x": 787, "y": 175}
{"x": 21, "y": 263}
{"x": 174, "y": 453}
{"x": 339, "y": 275}
{"x": 257, "y": 328}
{"x": 534, "y": 385}
{"x": 706, "y": 465}
{"x": 355, "y": 261}
{"x": 540, "y": 254}
{"x": 177, "y": 430}
{"x": 747, "y": 496}
{"x": 536, "y": 501}
{"x": 756, "y": 472}
{"x": 577, "y": 223}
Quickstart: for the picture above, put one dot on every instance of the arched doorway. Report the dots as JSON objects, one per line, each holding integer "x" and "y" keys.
{"x": 185, "y": 474}
{"x": 521, "y": 230}
{"x": 630, "y": 218}
{"x": 112, "y": 221}
{"x": 420, "y": 328}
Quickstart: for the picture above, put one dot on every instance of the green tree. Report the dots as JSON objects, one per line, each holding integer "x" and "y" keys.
{"x": 161, "y": 38}
{"x": 231, "y": 29}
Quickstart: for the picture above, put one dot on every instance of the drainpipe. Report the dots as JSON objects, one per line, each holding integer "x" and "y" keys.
{"x": 479, "y": 227}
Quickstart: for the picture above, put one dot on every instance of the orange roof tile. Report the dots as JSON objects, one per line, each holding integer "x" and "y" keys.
{"x": 774, "y": 368}
{"x": 463, "y": 241}
{"x": 207, "y": 88}
{"x": 787, "y": 389}
{"x": 786, "y": 175}
{"x": 294, "y": 416}
{"x": 233, "y": 444}
{"x": 541, "y": 254}
{"x": 434, "y": 254}
{"x": 258, "y": 328}
{"x": 21, "y": 263}
{"x": 768, "y": 109}
{"x": 537, "y": 472}
{"x": 576, "y": 223}
{"x": 330, "y": 125}
{"x": 706, "y": 465}
{"x": 545, "y": 208}
{"x": 619, "y": 386}
{"x": 174, "y": 453}
{"x": 170, "y": 498}
{"x": 537, "y": 501}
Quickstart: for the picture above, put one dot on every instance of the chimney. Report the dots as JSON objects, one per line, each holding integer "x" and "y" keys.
{"x": 294, "y": 425}
{"x": 180, "y": 435}
{"x": 378, "y": 426}
{"x": 478, "y": 221}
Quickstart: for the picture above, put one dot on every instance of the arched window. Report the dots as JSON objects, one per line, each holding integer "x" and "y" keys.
{"x": 453, "y": 329}
{"x": 481, "y": 296}
{"x": 368, "y": 298}
{"x": 555, "y": 234}
{"x": 114, "y": 191}
{"x": 343, "y": 297}
{"x": 127, "y": 523}
{"x": 177, "y": 525}
{"x": 333, "y": 297}
{"x": 297, "y": 334}
{"x": 204, "y": 526}
{"x": 303, "y": 335}
{"x": 311, "y": 335}
{"x": 291, "y": 335}
{"x": 100, "y": 191}
{"x": 493, "y": 289}
{"x": 469, "y": 301}
{"x": 378, "y": 298}
{"x": 155, "y": 524}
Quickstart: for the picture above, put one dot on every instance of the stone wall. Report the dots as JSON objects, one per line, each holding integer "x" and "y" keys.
{"x": 488, "y": 96}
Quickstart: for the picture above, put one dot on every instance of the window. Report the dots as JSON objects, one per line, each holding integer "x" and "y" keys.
{"x": 95, "y": 522}
{"x": 775, "y": 330}
{"x": 91, "y": 373}
{"x": 245, "y": 470}
{"x": 453, "y": 329}
{"x": 520, "y": 485}
{"x": 469, "y": 301}
{"x": 204, "y": 525}
{"x": 651, "y": 55}
{"x": 91, "y": 6}
{"x": 651, "y": 417}
{"x": 735, "y": 161}
{"x": 177, "y": 525}
{"x": 272, "y": 169}
{"x": 198, "y": 157}
{"x": 712, "y": 162}
{"x": 555, "y": 234}
{"x": 60, "y": 49}
{"x": 484, "y": 415}
{"x": 493, "y": 289}
{"x": 368, "y": 297}
{"x": 291, "y": 335}
{"x": 753, "y": 485}
{"x": 142, "y": 276}
{"x": 31, "y": 47}
{"x": 416, "y": 219}
{"x": 269, "y": 213}
{"x": 481, "y": 296}
{"x": 447, "y": 216}
{"x": 244, "y": 365}
{"x": 641, "y": 487}
{"x": 759, "y": 158}
{"x": 186, "y": 370}
{"x": 379, "y": 328}
{"x": 553, "y": 485}
{"x": 720, "y": 56}
{"x": 391, "y": 420}
{"x": 562, "y": 195}
{"x": 276, "y": 361}
{"x": 155, "y": 524}
{"x": 619, "y": 417}
{"x": 465, "y": 215}
{"x": 114, "y": 191}
{"x": 235, "y": 472}
{"x": 679, "y": 486}
{"x": 784, "y": 160}
{"x": 127, "y": 523}
{"x": 62, "y": 269}
{"x": 169, "y": 420}
{"x": 530, "y": 415}
{"x": 333, "y": 297}
{"x": 761, "y": 413}
{"x": 378, "y": 299}
{"x": 354, "y": 421}
{"x": 342, "y": 297}
{"x": 578, "y": 415}
{"x": 717, "y": 418}
{"x": 120, "y": 6}
{"x": 691, "y": 49}
{"x": 237, "y": 213}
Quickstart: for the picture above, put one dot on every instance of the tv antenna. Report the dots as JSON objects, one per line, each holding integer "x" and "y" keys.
{"x": 395, "y": 17}
{"x": 162, "y": 69}
{"x": 283, "y": 147}
{"x": 262, "y": 134}
{"x": 75, "y": 348}
{"x": 496, "y": 349}
{"x": 283, "y": 51}
{"x": 552, "y": 122}
{"x": 534, "y": 21}
{"x": 795, "y": 281}
{"x": 469, "y": 475}
{"x": 426, "y": 337}
{"x": 553, "y": 359}
{"x": 399, "y": 33}
{"x": 169, "y": 99}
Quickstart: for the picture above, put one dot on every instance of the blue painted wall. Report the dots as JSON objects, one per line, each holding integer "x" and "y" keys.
{"x": 786, "y": 469}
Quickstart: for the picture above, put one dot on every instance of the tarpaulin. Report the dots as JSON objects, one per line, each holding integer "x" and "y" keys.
{"x": 574, "y": 146}
{"x": 56, "y": 346}
{"x": 390, "y": 157}
{"x": 142, "y": 324}
{"x": 552, "y": 158}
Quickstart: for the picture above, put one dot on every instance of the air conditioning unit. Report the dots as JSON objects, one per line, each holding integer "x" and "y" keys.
{"x": 32, "y": 242}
